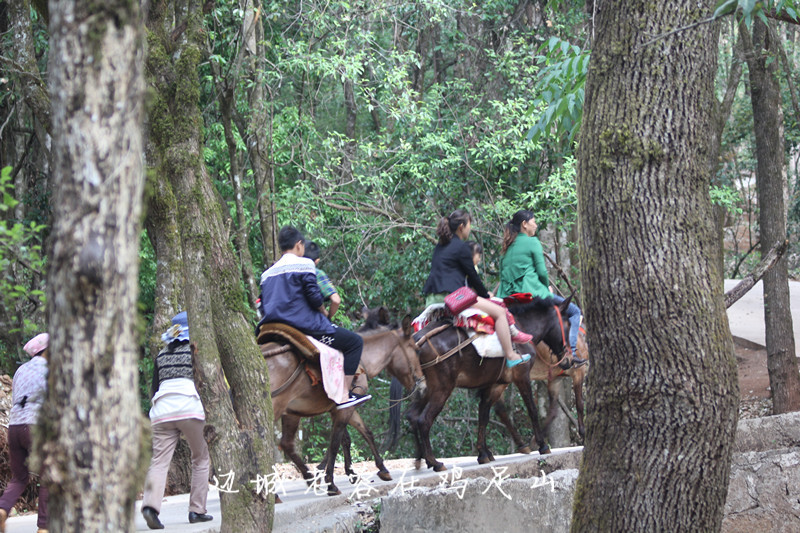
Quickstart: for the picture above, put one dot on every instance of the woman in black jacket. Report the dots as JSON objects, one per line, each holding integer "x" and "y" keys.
{"x": 452, "y": 264}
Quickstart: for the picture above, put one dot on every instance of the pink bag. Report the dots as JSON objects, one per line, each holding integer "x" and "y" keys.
{"x": 460, "y": 299}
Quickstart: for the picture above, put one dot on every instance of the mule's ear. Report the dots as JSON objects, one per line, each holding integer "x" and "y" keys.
{"x": 408, "y": 328}
{"x": 383, "y": 315}
{"x": 563, "y": 305}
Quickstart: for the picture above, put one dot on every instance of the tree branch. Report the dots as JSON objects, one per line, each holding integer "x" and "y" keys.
{"x": 769, "y": 261}
{"x": 787, "y": 69}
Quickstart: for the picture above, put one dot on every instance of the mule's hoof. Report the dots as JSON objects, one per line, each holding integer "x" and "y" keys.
{"x": 483, "y": 459}
{"x": 524, "y": 449}
{"x": 278, "y": 499}
{"x": 439, "y": 467}
{"x": 418, "y": 464}
{"x": 333, "y": 490}
{"x": 385, "y": 476}
{"x": 352, "y": 478}
{"x": 544, "y": 449}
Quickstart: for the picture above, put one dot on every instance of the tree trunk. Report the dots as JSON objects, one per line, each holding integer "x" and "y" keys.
{"x": 239, "y": 420}
{"x": 227, "y": 102}
{"x": 662, "y": 393}
{"x": 765, "y": 93}
{"x": 349, "y": 148}
{"x": 91, "y": 432}
{"x": 162, "y": 229}
{"x": 259, "y": 144}
{"x": 34, "y": 90}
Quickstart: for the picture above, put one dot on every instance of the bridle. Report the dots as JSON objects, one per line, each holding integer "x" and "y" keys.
{"x": 566, "y": 350}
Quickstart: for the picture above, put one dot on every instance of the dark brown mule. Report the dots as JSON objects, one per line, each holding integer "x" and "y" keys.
{"x": 466, "y": 369}
{"x": 295, "y": 396}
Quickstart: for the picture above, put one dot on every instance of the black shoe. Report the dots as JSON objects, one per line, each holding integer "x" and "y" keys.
{"x": 354, "y": 399}
{"x": 151, "y": 517}
{"x": 577, "y": 361}
{"x": 199, "y": 517}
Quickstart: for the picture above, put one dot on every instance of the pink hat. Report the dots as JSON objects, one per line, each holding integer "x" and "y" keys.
{"x": 38, "y": 344}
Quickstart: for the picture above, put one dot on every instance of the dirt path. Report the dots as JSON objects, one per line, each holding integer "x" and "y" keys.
{"x": 756, "y": 396}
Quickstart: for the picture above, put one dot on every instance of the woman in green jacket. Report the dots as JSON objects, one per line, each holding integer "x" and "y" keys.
{"x": 523, "y": 270}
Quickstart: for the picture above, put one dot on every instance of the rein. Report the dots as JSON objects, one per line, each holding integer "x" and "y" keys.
{"x": 565, "y": 349}
{"x": 392, "y": 403}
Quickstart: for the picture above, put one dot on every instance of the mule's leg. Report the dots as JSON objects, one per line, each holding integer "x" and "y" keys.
{"x": 577, "y": 388}
{"x": 502, "y": 413}
{"x": 289, "y": 424}
{"x": 552, "y": 392}
{"x": 357, "y": 422}
{"x": 432, "y": 409}
{"x": 485, "y": 405}
{"x": 340, "y": 419}
{"x": 348, "y": 460}
{"x": 523, "y": 383}
{"x": 413, "y": 416}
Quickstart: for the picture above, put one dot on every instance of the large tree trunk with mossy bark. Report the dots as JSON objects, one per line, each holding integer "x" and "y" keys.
{"x": 239, "y": 420}
{"x": 663, "y": 393}
{"x": 765, "y": 93}
{"x": 90, "y": 432}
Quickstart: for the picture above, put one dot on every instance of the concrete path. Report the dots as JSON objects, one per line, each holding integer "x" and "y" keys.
{"x": 303, "y": 510}
{"x": 746, "y": 317}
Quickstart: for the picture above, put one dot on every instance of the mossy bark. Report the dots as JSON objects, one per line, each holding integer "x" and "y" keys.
{"x": 765, "y": 94}
{"x": 662, "y": 392}
{"x": 239, "y": 420}
{"x": 90, "y": 432}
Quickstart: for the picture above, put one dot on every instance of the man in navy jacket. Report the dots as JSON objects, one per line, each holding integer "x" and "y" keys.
{"x": 290, "y": 294}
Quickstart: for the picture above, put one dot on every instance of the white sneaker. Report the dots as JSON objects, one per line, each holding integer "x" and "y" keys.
{"x": 353, "y": 400}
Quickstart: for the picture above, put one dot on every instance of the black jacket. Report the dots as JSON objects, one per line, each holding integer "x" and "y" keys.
{"x": 451, "y": 265}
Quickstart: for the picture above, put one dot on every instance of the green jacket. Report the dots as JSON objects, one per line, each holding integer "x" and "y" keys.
{"x": 523, "y": 269}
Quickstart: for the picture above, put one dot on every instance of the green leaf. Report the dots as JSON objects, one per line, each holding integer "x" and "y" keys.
{"x": 725, "y": 7}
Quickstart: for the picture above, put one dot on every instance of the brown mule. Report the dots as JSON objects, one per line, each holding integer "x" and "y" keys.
{"x": 299, "y": 397}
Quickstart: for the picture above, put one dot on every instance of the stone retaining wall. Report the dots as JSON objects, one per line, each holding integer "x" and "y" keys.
{"x": 763, "y": 496}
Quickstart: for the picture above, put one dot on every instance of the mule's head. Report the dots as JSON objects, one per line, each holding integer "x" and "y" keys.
{"x": 374, "y": 318}
{"x": 545, "y": 321}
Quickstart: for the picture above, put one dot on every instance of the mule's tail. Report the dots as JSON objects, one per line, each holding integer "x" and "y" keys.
{"x": 392, "y": 436}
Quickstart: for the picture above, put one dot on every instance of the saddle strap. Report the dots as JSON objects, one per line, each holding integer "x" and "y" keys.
{"x": 289, "y": 381}
{"x": 449, "y": 353}
{"x": 276, "y": 351}
{"x": 432, "y": 333}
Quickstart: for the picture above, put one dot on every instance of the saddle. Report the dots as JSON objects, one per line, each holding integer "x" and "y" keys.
{"x": 282, "y": 334}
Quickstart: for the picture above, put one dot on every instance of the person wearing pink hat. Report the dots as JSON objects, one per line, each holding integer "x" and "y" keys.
{"x": 28, "y": 392}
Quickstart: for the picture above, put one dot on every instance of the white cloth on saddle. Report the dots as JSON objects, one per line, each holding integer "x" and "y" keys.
{"x": 426, "y": 316}
{"x": 487, "y": 345}
{"x": 331, "y": 361}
